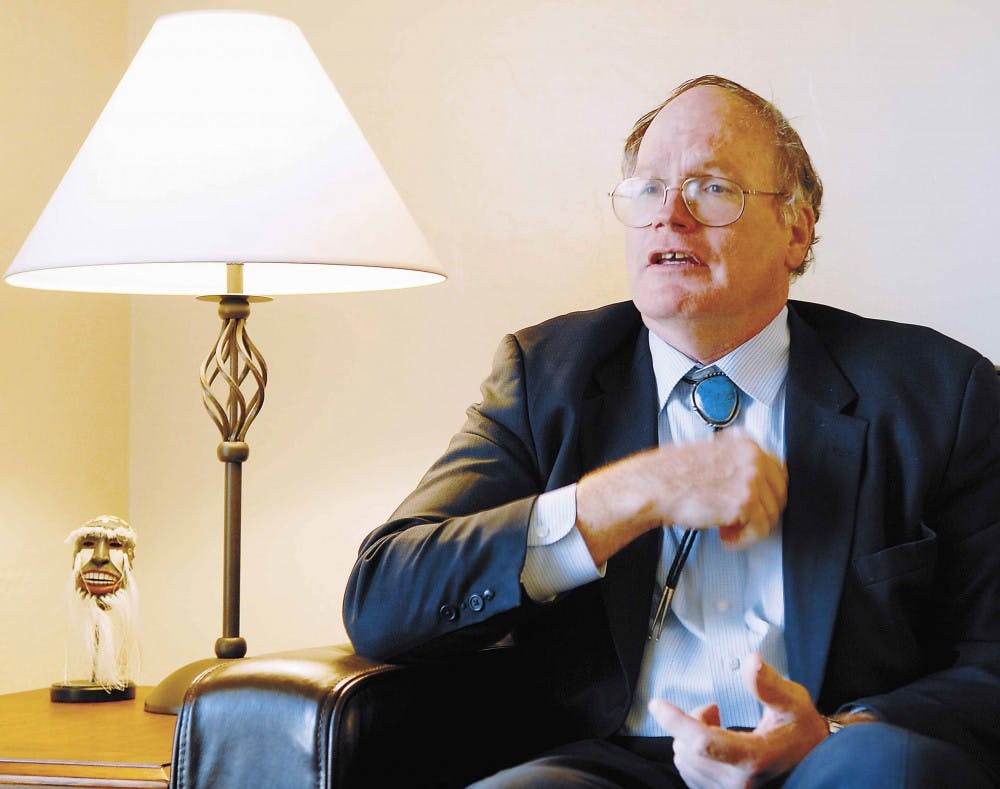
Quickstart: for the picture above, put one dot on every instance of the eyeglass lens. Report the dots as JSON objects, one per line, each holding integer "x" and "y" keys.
{"x": 711, "y": 200}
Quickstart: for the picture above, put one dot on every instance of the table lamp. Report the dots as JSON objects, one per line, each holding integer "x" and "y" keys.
{"x": 225, "y": 166}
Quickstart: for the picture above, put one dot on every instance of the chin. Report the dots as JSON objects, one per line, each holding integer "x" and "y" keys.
{"x": 671, "y": 303}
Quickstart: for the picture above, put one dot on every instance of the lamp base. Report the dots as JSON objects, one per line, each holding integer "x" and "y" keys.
{"x": 167, "y": 697}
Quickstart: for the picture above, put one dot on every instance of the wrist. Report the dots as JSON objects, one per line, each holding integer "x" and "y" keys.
{"x": 613, "y": 508}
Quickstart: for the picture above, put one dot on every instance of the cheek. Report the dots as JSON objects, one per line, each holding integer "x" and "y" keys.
{"x": 118, "y": 558}
{"x": 635, "y": 244}
{"x": 83, "y": 557}
{"x": 636, "y": 252}
{"x": 747, "y": 258}
{"x": 763, "y": 245}
{"x": 732, "y": 247}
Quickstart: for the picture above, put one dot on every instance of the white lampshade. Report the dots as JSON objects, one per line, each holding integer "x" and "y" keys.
{"x": 225, "y": 142}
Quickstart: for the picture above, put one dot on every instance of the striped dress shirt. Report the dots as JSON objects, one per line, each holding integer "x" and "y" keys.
{"x": 728, "y": 602}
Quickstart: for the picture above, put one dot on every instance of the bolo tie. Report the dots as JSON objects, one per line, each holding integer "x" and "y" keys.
{"x": 717, "y": 401}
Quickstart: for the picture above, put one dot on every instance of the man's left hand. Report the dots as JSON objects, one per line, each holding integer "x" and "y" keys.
{"x": 706, "y": 755}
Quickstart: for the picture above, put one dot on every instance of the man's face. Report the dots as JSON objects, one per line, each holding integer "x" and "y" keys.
{"x": 732, "y": 280}
{"x": 100, "y": 563}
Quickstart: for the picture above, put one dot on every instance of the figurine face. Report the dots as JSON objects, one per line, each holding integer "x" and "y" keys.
{"x": 100, "y": 563}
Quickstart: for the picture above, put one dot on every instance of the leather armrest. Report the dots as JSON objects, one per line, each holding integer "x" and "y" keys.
{"x": 327, "y": 717}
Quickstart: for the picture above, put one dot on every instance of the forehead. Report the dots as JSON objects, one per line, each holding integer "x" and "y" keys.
{"x": 707, "y": 127}
{"x": 80, "y": 536}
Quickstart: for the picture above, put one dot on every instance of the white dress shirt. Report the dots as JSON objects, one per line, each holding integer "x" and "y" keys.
{"x": 728, "y": 602}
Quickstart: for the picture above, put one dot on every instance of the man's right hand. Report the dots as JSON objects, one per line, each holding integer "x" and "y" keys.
{"x": 728, "y": 483}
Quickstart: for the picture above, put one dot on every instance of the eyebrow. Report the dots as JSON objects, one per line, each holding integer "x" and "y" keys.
{"x": 98, "y": 536}
{"x": 717, "y": 164}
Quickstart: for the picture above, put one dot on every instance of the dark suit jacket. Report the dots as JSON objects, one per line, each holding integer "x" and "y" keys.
{"x": 891, "y": 532}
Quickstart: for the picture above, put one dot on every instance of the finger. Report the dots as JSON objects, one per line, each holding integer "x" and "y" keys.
{"x": 725, "y": 746}
{"x": 769, "y": 687}
{"x": 772, "y": 495}
{"x": 777, "y": 481}
{"x": 675, "y": 722}
{"x": 755, "y": 527}
{"x": 771, "y": 485}
{"x": 759, "y": 525}
{"x": 763, "y": 504}
{"x": 747, "y": 531}
{"x": 699, "y": 736}
{"x": 767, "y": 503}
{"x": 707, "y": 714}
{"x": 783, "y": 480}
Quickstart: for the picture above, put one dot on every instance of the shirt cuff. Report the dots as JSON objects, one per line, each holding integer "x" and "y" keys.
{"x": 557, "y": 559}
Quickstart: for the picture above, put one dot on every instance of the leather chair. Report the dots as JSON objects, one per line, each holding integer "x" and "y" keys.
{"x": 327, "y": 717}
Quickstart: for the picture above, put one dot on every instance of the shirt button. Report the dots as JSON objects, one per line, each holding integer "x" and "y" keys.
{"x": 722, "y": 606}
{"x": 734, "y": 664}
{"x": 542, "y": 531}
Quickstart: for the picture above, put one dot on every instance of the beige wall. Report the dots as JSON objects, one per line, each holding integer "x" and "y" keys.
{"x": 500, "y": 124}
{"x": 63, "y": 357}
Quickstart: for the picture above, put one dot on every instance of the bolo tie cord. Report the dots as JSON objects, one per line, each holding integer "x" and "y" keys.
{"x": 716, "y": 399}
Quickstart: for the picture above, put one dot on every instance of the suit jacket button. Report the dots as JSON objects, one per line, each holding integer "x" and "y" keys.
{"x": 476, "y": 602}
{"x": 448, "y": 613}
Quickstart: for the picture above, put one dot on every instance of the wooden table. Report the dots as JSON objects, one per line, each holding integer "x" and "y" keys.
{"x": 106, "y": 744}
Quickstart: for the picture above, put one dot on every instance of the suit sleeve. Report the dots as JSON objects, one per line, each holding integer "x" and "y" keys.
{"x": 442, "y": 576}
{"x": 961, "y": 703}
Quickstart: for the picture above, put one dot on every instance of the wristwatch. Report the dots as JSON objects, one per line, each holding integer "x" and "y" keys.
{"x": 832, "y": 726}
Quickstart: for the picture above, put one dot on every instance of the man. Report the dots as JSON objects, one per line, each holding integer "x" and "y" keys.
{"x": 846, "y": 522}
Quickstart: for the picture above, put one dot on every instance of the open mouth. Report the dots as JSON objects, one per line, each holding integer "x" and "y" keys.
{"x": 99, "y": 583}
{"x": 673, "y": 258}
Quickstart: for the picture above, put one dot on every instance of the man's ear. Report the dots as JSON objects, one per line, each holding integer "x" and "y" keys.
{"x": 800, "y": 237}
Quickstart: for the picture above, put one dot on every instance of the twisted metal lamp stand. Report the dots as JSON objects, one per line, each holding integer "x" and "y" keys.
{"x": 234, "y": 366}
{"x": 236, "y": 361}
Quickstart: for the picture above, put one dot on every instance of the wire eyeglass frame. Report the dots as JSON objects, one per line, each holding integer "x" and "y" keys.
{"x": 691, "y": 185}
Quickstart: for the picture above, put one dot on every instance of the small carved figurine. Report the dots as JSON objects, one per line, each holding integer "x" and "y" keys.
{"x": 102, "y": 652}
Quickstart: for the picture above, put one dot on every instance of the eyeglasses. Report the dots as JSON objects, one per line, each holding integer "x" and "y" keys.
{"x": 712, "y": 201}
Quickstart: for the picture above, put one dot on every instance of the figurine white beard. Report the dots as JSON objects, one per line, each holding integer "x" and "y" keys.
{"x": 103, "y": 646}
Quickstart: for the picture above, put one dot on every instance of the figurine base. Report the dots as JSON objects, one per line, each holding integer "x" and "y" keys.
{"x": 80, "y": 691}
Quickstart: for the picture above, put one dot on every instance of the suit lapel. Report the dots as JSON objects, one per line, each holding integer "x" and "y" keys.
{"x": 619, "y": 411}
{"x": 824, "y": 453}
{"x": 619, "y": 419}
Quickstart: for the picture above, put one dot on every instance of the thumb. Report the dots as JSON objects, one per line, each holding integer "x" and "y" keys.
{"x": 767, "y": 685}
{"x": 675, "y": 722}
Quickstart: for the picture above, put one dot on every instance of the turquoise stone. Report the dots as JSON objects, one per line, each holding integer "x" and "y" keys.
{"x": 717, "y": 400}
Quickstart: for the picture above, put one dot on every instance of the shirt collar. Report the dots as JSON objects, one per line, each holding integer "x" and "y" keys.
{"x": 758, "y": 366}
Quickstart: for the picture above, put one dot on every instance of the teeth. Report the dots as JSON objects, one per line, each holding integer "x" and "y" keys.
{"x": 673, "y": 257}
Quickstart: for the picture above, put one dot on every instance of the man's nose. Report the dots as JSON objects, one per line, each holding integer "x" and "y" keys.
{"x": 674, "y": 212}
{"x": 101, "y": 554}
